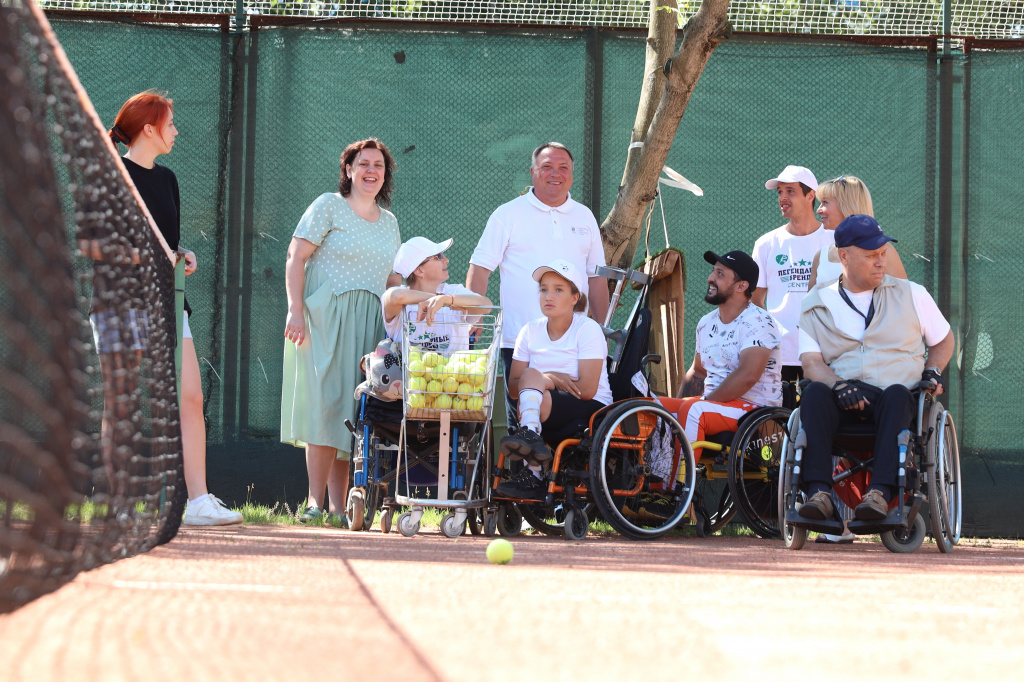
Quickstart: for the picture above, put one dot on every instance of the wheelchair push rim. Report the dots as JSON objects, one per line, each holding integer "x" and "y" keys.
{"x": 754, "y": 464}
{"x": 944, "y": 483}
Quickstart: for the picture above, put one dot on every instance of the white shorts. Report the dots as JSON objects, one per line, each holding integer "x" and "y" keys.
{"x": 186, "y": 332}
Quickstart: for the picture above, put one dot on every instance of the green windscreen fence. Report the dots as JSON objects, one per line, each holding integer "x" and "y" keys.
{"x": 264, "y": 116}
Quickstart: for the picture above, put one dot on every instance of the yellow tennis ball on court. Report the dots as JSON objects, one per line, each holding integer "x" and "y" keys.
{"x": 417, "y": 401}
{"x": 450, "y": 385}
{"x": 416, "y": 368}
{"x": 475, "y": 403}
{"x": 458, "y": 403}
{"x": 443, "y": 402}
{"x": 500, "y": 551}
{"x": 431, "y": 360}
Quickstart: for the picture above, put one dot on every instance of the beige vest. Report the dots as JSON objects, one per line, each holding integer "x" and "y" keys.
{"x": 892, "y": 350}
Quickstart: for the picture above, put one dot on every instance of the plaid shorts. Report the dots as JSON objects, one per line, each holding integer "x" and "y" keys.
{"x": 114, "y": 333}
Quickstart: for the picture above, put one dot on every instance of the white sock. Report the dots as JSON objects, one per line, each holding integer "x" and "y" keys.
{"x": 199, "y": 499}
{"x": 529, "y": 408}
{"x": 535, "y": 468}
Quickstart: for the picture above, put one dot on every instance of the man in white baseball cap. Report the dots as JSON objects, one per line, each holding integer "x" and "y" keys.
{"x": 785, "y": 256}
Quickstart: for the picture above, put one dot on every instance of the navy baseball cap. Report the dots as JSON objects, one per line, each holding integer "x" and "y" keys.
{"x": 739, "y": 262}
{"x": 861, "y": 231}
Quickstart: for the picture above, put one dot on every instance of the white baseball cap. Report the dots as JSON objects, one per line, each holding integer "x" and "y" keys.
{"x": 562, "y": 268}
{"x": 415, "y": 251}
{"x": 793, "y": 174}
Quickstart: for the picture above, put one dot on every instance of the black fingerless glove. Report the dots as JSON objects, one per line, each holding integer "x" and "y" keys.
{"x": 933, "y": 376}
{"x": 847, "y": 393}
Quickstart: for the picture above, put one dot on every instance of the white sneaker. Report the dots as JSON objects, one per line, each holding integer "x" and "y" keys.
{"x": 210, "y": 512}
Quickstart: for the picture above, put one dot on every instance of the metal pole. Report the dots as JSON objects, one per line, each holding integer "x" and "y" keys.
{"x": 947, "y": 26}
{"x": 240, "y": 15}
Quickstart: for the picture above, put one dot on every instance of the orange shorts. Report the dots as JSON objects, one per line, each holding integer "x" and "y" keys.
{"x": 700, "y": 418}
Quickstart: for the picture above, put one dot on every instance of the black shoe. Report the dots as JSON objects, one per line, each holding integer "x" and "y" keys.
{"x": 526, "y": 444}
{"x": 523, "y": 486}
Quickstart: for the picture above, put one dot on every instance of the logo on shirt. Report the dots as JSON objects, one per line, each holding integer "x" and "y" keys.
{"x": 581, "y": 231}
{"x": 781, "y": 259}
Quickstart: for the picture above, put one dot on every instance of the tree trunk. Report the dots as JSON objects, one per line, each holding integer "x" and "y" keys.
{"x": 701, "y": 35}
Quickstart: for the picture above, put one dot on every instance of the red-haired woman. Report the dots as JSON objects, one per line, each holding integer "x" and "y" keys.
{"x": 145, "y": 125}
{"x": 339, "y": 261}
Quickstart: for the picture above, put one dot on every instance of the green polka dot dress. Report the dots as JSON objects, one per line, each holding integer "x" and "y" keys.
{"x": 345, "y": 278}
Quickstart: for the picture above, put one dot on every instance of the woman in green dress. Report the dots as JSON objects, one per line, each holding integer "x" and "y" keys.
{"x": 338, "y": 265}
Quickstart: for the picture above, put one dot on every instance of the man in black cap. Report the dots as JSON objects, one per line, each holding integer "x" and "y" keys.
{"x": 862, "y": 343}
{"x": 736, "y": 360}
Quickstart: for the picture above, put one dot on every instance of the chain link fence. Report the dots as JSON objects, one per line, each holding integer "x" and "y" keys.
{"x": 265, "y": 114}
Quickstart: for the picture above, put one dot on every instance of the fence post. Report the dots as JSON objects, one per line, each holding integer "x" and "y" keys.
{"x": 239, "y": 16}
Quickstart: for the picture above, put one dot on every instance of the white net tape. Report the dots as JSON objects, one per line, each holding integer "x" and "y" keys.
{"x": 974, "y": 18}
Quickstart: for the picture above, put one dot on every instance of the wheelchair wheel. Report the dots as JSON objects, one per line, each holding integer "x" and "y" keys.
{"x": 906, "y": 541}
{"x": 355, "y": 510}
{"x": 626, "y": 446}
{"x": 754, "y": 468}
{"x": 576, "y": 524}
{"x": 790, "y": 495}
{"x": 943, "y": 465}
{"x": 386, "y": 519}
{"x": 510, "y": 520}
{"x": 552, "y": 524}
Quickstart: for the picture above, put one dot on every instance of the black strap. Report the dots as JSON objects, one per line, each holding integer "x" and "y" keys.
{"x": 871, "y": 308}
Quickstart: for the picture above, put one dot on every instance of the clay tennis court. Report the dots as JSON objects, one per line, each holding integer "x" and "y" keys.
{"x": 281, "y": 603}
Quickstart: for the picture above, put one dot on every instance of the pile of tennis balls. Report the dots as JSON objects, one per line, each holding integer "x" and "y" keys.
{"x": 458, "y": 381}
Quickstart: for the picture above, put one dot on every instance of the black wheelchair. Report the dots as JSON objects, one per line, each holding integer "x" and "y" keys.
{"x": 929, "y": 471}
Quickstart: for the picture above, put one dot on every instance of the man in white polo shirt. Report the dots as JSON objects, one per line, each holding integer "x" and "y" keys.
{"x": 784, "y": 257}
{"x": 528, "y": 232}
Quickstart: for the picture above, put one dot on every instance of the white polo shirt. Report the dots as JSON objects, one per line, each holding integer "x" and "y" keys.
{"x": 523, "y": 235}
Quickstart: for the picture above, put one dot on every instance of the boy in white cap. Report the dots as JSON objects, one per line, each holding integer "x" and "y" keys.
{"x": 433, "y": 305}
{"x": 785, "y": 256}
{"x": 558, "y": 374}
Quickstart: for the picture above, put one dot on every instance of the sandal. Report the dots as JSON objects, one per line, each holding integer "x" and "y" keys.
{"x": 311, "y": 515}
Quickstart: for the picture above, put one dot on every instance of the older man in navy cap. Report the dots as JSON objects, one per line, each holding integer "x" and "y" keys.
{"x": 863, "y": 343}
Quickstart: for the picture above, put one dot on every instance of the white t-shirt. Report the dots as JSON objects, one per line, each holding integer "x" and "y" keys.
{"x": 523, "y": 235}
{"x": 827, "y": 270}
{"x": 785, "y": 262}
{"x": 719, "y": 346}
{"x": 934, "y": 327}
{"x": 450, "y": 331}
{"x": 584, "y": 340}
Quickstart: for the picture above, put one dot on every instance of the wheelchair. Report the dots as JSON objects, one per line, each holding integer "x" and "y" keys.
{"x": 929, "y": 470}
{"x": 629, "y": 462}
{"x": 739, "y": 472}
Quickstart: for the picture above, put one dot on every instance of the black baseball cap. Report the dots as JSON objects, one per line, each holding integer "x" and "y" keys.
{"x": 739, "y": 262}
{"x": 861, "y": 231}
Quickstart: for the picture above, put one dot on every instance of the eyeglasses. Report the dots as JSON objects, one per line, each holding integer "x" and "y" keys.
{"x": 436, "y": 256}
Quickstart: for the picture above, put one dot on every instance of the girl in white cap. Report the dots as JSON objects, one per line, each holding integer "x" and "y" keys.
{"x": 433, "y": 305}
{"x": 558, "y": 374}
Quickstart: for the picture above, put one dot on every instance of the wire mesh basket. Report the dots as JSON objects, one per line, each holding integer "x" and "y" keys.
{"x": 453, "y": 368}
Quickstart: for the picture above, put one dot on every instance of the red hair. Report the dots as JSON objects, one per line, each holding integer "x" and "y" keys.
{"x": 146, "y": 108}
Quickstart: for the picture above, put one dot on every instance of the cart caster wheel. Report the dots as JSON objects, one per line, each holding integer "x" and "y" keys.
{"x": 406, "y": 526}
{"x": 490, "y": 524}
{"x": 386, "y": 518}
{"x": 355, "y": 510}
{"x": 576, "y": 524}
{"x": 451, "y": 526}
{"x": 510, "y": 520}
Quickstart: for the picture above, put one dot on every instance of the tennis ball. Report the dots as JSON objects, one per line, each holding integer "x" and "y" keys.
{"x": 417, "y": 401}
{"x": 475, "y": 403}
{"x": 417, "y": 384}
{"x": 415, "y": 356}
{"x": 465, "y": 388}
{"x": 458, "y": 403}
{"x": 416, "y": 368}
{"x": 499, "y": 551}
{"x": 431, "y": 360}
{"x": 443, "y": 402}
{"x": 450, "y": 385}
{"x": 434, "y": 386}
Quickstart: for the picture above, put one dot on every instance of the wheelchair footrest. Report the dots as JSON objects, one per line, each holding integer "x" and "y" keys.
{"x": 793, "y": 518}
{"x": 894, "y": 521}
